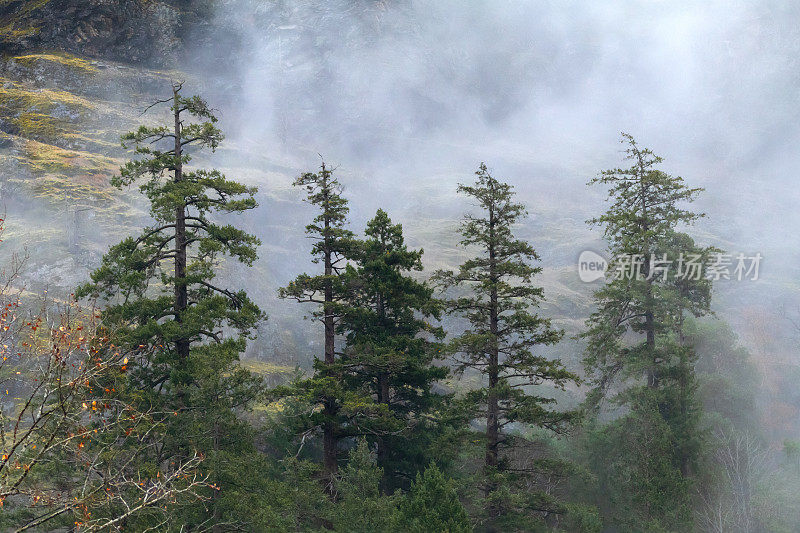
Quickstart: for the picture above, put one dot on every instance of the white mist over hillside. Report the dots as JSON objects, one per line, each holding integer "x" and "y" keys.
{"x": 406, "y": 92}
{"x": 419, "y": 92}
{"x": 407, "y": 97}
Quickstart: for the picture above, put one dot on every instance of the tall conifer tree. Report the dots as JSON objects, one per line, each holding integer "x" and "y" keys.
{"x": 332, "y": 244}
{"x": 391, "y": 346}
{"x": 187, "y": 332}
{"x": 504, "y": 337}
{"x": 635, "y": 346}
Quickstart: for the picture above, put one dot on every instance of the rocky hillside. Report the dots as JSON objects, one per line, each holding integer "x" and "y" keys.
{"x": 136, "y": 31}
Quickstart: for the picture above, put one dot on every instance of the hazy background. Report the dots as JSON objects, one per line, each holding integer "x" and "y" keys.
{"x": 407, "y": 97}
{"x": 404, "y": 94}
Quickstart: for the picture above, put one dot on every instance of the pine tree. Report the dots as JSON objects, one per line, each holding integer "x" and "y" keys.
{"x": 391, "y": 346}
{"x": 361, "y": 507}
{"x": 504, "y": 336}
{"x": 186, "y": 331}
{"x": 332, "y": 244}
{"x": 432, "y": 505}
{"x": 645, "y": 211}
{"x": 635, "y": 339}
{"x": 691, "y": 297}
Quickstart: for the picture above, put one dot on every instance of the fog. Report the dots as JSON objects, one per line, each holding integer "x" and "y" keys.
{"x": 407, "y": 97}
{"x": 403, "y": 93}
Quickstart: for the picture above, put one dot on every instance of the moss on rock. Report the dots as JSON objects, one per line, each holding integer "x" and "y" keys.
{"x": 42, "y": 158}
{"x": 40, "y": 114}
{"x": 18, "y": 25}
{"x": 59, "y": 58}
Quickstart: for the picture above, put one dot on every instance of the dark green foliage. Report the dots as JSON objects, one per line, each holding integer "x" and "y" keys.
{"x": 328, "y": 291}
{"x": 642, "y": 222}
{"x": 373, "y": 387}
{"x": 637, "y": 352}
{"x": 432, "y": 505}
{"x": 136, "y": 275}
{"x": 582, "y": 518}
{"x": 728, "y": 379}
{"x": 360, "y": 506}
{"x": 642, "y": 488}
{"x": 379, "y": 383}
{"x": 332, "y": 242}
{"x": 186, "y": 331}
{"x": 504, "y": 336}
{"x": 391, "y": 347}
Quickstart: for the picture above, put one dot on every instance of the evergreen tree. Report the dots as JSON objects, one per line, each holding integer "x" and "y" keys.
{"x": 691, "y": 297}
{"x": 390, "y": 345}
{"x": 641, "y": 487}
{"x": 635, "y": 339}
{"x": 328, "y": 290}
{"x": 504, "y": 336}
{"x": 644, "y": 214}
{"x": 432, "y": 505}
{"x": 360, "y": 506}
{"x": 186, "y": 331}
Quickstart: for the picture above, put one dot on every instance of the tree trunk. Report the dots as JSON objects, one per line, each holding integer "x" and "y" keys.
{"x": 329, "y": 445}
{"x": 649, "y": 326}
{"x": 329, "y": 439}
{"x": 652, "y": 372}
{"x": 383, "y": 391}
{"x": 215, "y": 495}
{"x": 492, "y": 407}
{"x": 684, "y": 391}
{"x": 181, "y": 292}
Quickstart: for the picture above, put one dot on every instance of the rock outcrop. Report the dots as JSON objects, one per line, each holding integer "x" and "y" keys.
{"x": 132, "y": 31}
